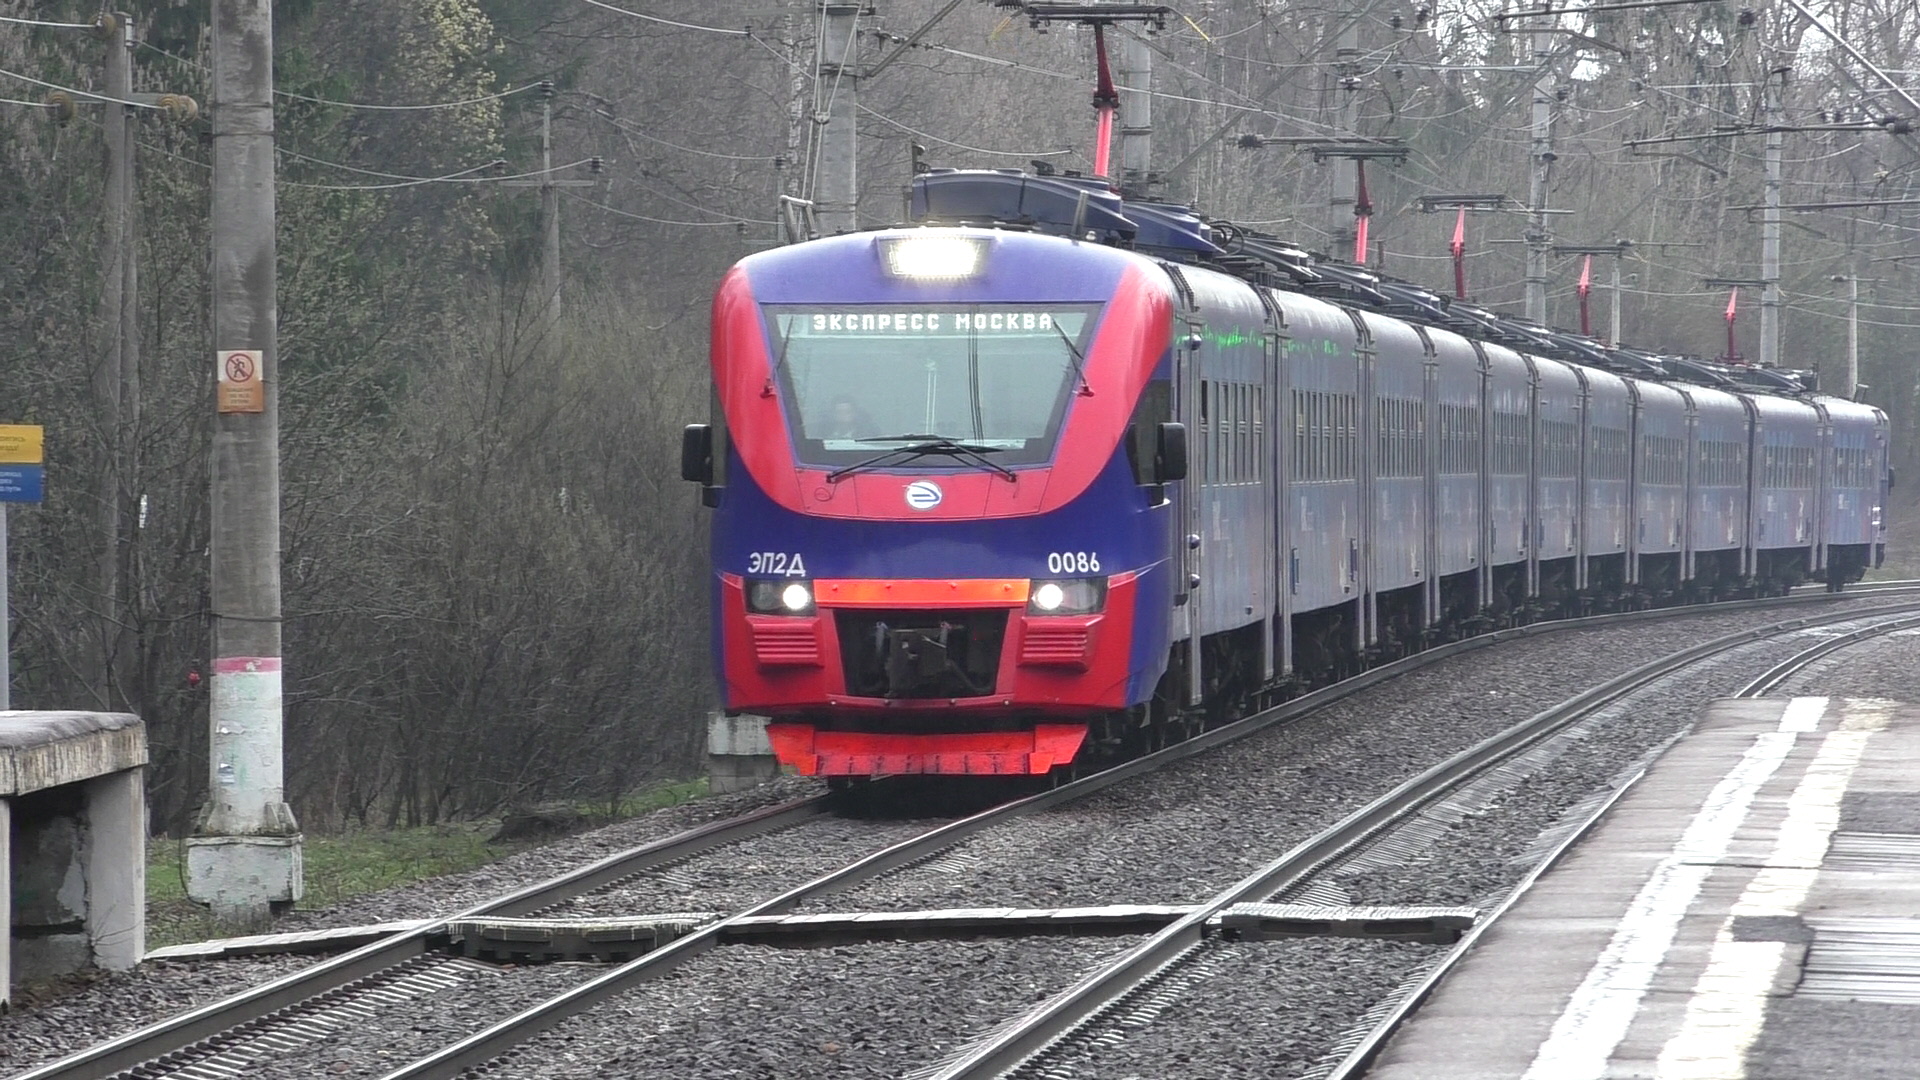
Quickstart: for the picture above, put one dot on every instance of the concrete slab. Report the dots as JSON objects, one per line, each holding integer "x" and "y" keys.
{"x": 1638, "y": 961}
{"x": 39, "y": 750}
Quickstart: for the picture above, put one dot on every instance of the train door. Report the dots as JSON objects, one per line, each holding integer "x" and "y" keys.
{"x": 1822, "y": 484}
{"x": 1366, "y": 460}
{"x": 1634, "y": 509}
{"x": 1692, "y": 488}
{"x": 1581, "y": 492}
{"x": 1191, "y": 408}
{"x": 1430, "y": 478}
{"x": 1533, "y": 523}
{"x": 1487, "y": 435}
{"x": 1278, "y": 647}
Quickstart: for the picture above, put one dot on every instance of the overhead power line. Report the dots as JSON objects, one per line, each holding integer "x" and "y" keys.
{"x": 463, "y": 176}
{"x": 671, "y": 22}
{"x": 52, "y": 25}
{"x": 729, "y": 223}
{"x": 361, "y": 104}
{"x": 410, "y": 108}
{"x": 87, "y": 94}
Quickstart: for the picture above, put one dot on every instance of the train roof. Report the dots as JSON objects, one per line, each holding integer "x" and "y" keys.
{"x": 1087, "y": 208}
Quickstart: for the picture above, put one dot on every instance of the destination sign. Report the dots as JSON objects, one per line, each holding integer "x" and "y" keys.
{"x": 932, "y": 322}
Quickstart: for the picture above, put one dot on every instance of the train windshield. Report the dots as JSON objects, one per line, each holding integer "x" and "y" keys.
{"x": 859, "y": 379}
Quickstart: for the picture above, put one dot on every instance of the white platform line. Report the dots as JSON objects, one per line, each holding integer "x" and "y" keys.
{"x": 1729, "y": 1003}
{"x": 1603, "y": 1007}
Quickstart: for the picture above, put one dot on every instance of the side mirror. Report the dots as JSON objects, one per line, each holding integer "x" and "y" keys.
{"x": 1170, "y": 455}
{"x": 696, "y": 453}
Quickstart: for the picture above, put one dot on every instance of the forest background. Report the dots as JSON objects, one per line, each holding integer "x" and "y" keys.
{"x": 492, "y": 571}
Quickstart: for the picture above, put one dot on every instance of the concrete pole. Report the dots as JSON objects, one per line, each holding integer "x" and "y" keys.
{"x": 1613, "y": 323}
{"x": 838, "y": 182}
{"x": 550, "y": 213}
{"x": 115, "y": 322}
{"x": 245, "y": 860}
{"x": 1537, "y": 236}
{"x": 1135, "y": 79}
{"x": 1853, "y": 338}
{"x": 1770, "y": 226}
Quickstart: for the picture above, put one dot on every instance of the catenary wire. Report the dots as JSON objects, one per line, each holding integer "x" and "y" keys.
{"x": 729, "y": 223}
{"x": 88, "y": 94}
{"x": 671, "y": 22}
{"x": 41, "y": 22}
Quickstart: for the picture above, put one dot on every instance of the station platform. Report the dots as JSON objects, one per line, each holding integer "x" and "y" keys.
{"x": 1749, "y": 910}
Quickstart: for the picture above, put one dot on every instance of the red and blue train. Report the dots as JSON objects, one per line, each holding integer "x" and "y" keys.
{"x": 1051, "y": 471}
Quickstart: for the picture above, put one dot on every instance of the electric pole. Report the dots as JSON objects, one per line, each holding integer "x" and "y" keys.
{"x": 1770, "y": 223}
{"x": 1346, "y": 174}
{"x": 1538, "y": 239}
{"x": 1852, "y": 385}
{"x": 551, "y": 272}
{"x": 550, "y": 213}
{"x": 117, "y": 372}
{"x": 245, "y": 861}
{"x": 1136, "y": 119}
{"x": 837, "y": 177}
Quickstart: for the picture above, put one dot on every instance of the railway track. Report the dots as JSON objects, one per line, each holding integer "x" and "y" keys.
{"x": 1021, "y": 1048}
{"x": 371, "y": 974}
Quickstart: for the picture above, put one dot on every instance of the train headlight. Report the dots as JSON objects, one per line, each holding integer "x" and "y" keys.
{"x": 934, "y": 257}
{"x": 779, "y": 598}
{"x": 1067, "y": 596}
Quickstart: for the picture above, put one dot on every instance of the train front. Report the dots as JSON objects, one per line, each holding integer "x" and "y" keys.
{"x": 937, "y": 464}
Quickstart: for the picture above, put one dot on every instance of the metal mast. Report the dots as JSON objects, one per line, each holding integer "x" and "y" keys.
{"x": 1770, "y": 223}
{"x": 1538, "y": 239}
{"x": 838, "y": 187}
{"x": 1135, "y": 79}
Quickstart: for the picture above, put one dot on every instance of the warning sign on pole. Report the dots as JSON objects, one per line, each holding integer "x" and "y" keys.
{"x": 241, "y": 390}
{"x": 22, "y": 444}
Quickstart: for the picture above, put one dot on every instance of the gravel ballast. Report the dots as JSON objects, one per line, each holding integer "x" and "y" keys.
{"x": 753, "y": 1011}
{"x": 1184, "y": 832}
{"x": 1267, "y": 1009}
{"x": 112, "y": 1004}
{"x": 1173, "y": 837}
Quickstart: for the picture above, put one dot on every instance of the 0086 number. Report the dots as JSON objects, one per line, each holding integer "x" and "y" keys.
{"x": 1073, "y": 562}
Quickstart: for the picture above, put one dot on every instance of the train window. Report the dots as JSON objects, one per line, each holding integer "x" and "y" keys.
{"x": 1155, "y": 407}
{"x": 1260, "y": 451}
{"x": 852, "y": 376}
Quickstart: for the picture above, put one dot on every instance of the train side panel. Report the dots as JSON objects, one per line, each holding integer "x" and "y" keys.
{"x": 1323, "y": 542}
{"x": 1717, "y": 508}
{"x": 1556, "y": 497}
{"x": 1786, "y": 441}
{"x": 1851, "y": 499}
{"x": 1398, "y": 455}
{"x": 1456, "y": 421}
{"x": 1660, "y": 485}
{"x": 1508, "y": 414}
{"x": 1605, "y": 468}
{"x": 1227, "y": 444}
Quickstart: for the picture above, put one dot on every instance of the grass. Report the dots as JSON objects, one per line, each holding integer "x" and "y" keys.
{"x": 343, "y": 865}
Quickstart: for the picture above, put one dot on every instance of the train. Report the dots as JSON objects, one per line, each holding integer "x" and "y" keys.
{"x": 1047, "y": 474}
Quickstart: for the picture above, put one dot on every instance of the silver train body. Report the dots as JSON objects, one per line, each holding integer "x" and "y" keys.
{"x": 1362, "y": 483}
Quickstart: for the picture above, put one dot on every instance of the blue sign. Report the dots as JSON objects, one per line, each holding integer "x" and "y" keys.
{"x": 22, "y": 483}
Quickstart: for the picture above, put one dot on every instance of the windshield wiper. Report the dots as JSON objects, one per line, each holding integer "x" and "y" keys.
{"x": 933, "y": 444}
{"x": 1079, "y": 361}
{"x": 773, "y": 370}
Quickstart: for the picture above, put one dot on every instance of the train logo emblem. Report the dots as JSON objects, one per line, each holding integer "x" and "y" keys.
{"x": 923, "y": 495}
